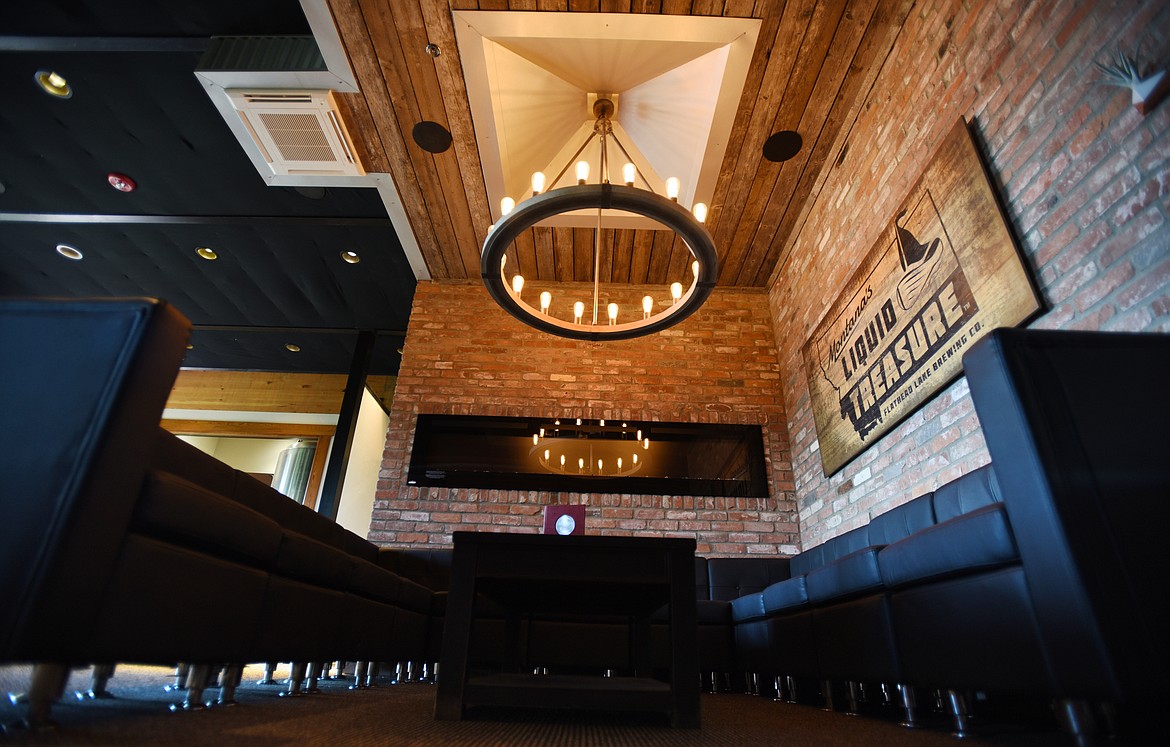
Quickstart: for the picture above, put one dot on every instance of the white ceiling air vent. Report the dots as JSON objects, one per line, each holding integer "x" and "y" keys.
{"x": 297, "y": 132}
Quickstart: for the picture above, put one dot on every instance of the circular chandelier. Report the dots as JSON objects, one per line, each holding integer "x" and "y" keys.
{"x": 600, "y": 196}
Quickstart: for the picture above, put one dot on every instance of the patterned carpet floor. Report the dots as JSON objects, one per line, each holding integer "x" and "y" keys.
{"x": 403, "y": 715}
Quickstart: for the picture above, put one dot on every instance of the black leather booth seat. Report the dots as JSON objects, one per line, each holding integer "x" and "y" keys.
{"x": 1076, "y": 425}
{"x": 117, "y": 538}
{"x": 1029, "y": 574}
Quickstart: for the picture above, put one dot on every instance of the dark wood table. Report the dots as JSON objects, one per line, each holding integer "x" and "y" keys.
{"x": 527, "y": 574}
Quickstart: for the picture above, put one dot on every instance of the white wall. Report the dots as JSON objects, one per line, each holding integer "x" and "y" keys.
{"x": 206, "y": 444}
{"x": 244, "y": 454}
{"x": 361, "y": 474}
{"x": 365, "y": 461}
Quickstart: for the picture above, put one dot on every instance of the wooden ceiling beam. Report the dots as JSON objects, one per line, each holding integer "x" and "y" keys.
{"x": 802, "y": 27}
{"x": 563, "y": 249}
{"x": 359, "y": 122}
{"x": 243, "y": 429}
{"x": 422, "y": 71}
{"x": 878, "y": 40}
{"x": 782, "y": 47}
{"x": 433, "y": 208}
{"x": 719, "y": 221}
{"x": 440, "y": 29}
{"x": 524, "y": 253}
{"x": 355, "y": 36}
{"x": 805, "y": 109}
{"x": 643, "y": 250}
{"x": 546, "y": 260}
{"x": 267, "y": 391}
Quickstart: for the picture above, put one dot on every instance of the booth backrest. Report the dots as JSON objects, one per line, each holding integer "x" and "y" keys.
{"x": 702, "y": 579}
{"x": 830, "y": 550}
{"x": 963, "y": 495}
{"x": 1076, "y": 425}
{"x": 181, "y": 458}
{"x": 902, "y": 521}
{"x": 174, "y": 455}
{"x": 84, "y": 385}
{"x": 731, "y": 578}
{"x": 429, "y": 567}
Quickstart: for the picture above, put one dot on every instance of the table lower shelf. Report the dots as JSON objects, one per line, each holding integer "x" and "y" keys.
{"x": 569, "y": 691}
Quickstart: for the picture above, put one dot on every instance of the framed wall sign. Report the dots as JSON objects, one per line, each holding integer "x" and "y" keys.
{"x": 944, "y": 272}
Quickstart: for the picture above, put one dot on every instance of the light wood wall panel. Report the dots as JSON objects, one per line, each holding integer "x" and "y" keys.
{"x": 251, "y": 391}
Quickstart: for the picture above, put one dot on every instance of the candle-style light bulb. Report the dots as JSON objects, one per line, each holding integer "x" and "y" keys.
{"x": 562, "y": 460}
{"x": 639, "y": 434}
{"x": 646, "y": 443}
{"x": 700, "y": 211}
{"x": 517, "y": 284}
{"x": 580, "y": 464}
{"x": 578, "y": 310}
{"x": 647, "y": 305}
{"x": 695, "y": 268}
{"x": 635, "y": 458}
{"x": 612, "y": 309}
{"x": 582, "y": 171}
{"x": 675, "y": 291}
{"x": 506, "y": 205}
{"x": 535, "y": 439}
{"x": 546, "y": 455}
{"x": 629, "y": 171}
{"x": 537, "y": 182}
{"x": 619, "y": 464}
{"x": 601, "y": 423}
{"x": 672, "y": 185}
{"x": 542, "y": 432}
{"x": 545, "y": 301}
{"x": 599, "y": 463}
{"x": 578, "y": 421}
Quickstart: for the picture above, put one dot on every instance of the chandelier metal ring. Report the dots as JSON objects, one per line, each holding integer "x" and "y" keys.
{"x": 603, "y": 196}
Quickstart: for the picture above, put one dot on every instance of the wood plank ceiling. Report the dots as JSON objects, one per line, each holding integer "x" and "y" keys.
{"x": 813, "y": 61}
{"x": 269, "y": 391}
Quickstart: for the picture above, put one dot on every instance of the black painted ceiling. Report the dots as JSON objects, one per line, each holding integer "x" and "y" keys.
{"x": 138, "y": 110}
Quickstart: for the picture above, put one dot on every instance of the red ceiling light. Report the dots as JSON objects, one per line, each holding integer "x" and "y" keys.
{"x": 121, "y": 182}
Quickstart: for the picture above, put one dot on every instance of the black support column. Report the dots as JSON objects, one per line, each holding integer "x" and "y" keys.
{"x": 346, "y": 423}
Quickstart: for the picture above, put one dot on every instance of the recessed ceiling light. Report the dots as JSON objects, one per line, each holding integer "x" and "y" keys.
{"x": 206, "y": 252}
{"x": 53, "y": 84}
{"x": 292, "y": 348}
{"x": 69, "y": 252}
{"x": 351, "y": 257}
{"x": 121, "y": 182}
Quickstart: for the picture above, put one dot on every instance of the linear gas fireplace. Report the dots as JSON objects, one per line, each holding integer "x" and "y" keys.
{"x": 582, "y": 455}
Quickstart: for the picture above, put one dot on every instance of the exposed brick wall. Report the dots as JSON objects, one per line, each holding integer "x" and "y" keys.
{"x": 1084, "y": 178}
{"x": 464, "y": 355}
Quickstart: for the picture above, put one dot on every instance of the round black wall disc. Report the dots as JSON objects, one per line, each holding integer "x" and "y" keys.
{"x": 431, "y": 136}
{"x": 782, "y": 146}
